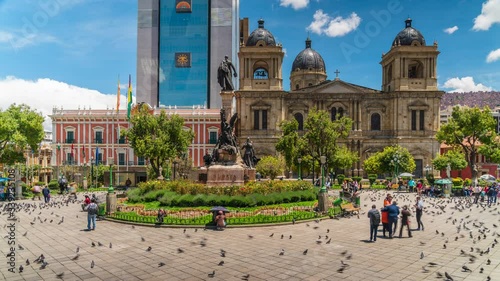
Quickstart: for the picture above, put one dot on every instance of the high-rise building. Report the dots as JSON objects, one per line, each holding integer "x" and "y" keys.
{"x": 180, "y": 44}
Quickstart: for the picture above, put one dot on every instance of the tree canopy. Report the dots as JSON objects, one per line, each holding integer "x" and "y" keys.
{"x": 471, "y": 130}
{"x": 321, "y": 136}
{"x": 158, "y": 138}
{"x": 455, "y": 158}
{"x": 393, "y": 160}
{"x": 270, "y": 166}
{"x": 21, "y": 128}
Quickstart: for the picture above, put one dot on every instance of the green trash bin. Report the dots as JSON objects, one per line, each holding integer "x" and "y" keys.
{"x": 358, "y": 201}
{"x": 337, "y": 202}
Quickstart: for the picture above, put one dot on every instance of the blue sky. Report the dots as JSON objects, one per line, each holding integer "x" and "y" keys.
{"x": 70, "y": 52}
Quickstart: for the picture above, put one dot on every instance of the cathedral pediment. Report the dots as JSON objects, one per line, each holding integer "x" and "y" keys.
{"x": 338, "y": 87}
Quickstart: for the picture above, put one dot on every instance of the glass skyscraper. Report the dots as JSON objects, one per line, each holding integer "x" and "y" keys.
{"x": 180, "y": 45}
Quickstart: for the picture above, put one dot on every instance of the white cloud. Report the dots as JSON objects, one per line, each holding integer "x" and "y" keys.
{"x": 490, "y": 14}
{"x": 465, "y": 84}
{"x": 296, "y": 4}
{"x": 18, "y": 40}
{"x": 451, "y": 30}
{"x": 333, "y": 27}
{"x": 493, "y": 56}
{"x": 43, "y": 94}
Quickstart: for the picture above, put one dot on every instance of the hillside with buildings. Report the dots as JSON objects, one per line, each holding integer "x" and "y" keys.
{"x": 471, "y": 99}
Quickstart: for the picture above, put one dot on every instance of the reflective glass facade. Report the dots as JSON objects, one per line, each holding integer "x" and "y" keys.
{"x": 183, "y": 53}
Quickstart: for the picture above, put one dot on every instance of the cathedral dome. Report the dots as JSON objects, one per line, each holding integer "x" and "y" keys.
{"x": 409, "y": 36}
{"x": 261, "y": 37}
{"x": 308, "y": 59}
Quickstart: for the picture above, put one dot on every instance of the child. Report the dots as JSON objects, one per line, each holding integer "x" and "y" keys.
{"x": 219, "y": 220}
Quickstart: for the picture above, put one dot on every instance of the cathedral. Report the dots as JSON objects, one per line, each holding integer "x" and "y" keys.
{"x": 404, "y": 111}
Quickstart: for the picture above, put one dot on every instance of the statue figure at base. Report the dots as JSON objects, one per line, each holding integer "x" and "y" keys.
{"x": 227, "y": 139}
{"x": 249, "y": 154}
{"x": 224, "y": 73}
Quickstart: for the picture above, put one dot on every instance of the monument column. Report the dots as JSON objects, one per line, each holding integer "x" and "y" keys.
{"x": 227, "y": 101}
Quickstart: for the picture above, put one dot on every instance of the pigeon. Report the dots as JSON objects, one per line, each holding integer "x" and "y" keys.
{"x": 488, "y": 262}
{"x": 465, "y": 268}
{"x": 93, "y": 244}
{"x": 77, "y": 249}
{"x": 444, "y": 246}
{"x": 481, "y": 270}
{"x": 161, "y": 264}
{"x": 329, "y": 240}
{"x": 142, "y": 239}
{"x": 110, "y": 245}
{"x": 212, "y": 274}
{"x": 328, "y": 231}
{"x": 221, "y": 263}
{"x": 100, "y": 244}
{"x": 305, "y": 252}
{"x": 439, "y": 274}
{"x": 26, "y": 233}
{"x": 27, "y": 262}
{"x": 44, "y": 264}
{"x": 20, "y": 247}
{"x": 272, "y": 234}
{"x": 349, "y": 257}
{"x": 340, "y": 270}
{"x": 21, "y": 268}
{"x": 448, "y": 276}
{"x": 245, "y": 277}
{"x": 282, "y": 236}
{"x": 180, "y": 251}
{"x": 60, "y": 275}
{"x": 421, "y": 255}
{"x": 250, "y": 236}
{"x": 149, "y": 249}
{"x": 282, "y": 252}
{"x": 424, "y": 270}
{"x": 290, "y": 237}
{"x": 344, "y": 253}
{"x": 432, "y": 264}
{"x": 92, "y": 264}
{"x": 133, "y": 227}
{"x": 75, "y": 257}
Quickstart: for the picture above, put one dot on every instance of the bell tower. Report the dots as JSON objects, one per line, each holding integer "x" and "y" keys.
{"x": 410, "y": 65}
{"x": 260, "y": 61}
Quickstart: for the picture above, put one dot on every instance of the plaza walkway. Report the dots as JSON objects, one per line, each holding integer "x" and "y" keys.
{"x": 330, "y": 249}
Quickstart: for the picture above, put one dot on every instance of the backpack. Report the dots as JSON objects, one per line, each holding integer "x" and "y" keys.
{"x": 92, "y": 209}
{"x": 375, "y": 218}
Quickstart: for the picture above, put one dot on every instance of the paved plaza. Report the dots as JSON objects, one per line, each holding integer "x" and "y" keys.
{"x": 337, "y": 249}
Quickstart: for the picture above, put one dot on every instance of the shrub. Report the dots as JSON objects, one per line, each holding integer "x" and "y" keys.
{"x": 457, "y": 182}
{"x": 53, "y": 184}
{"x": 372, "y": 178}
{"x": 270, "y": 166}
{"x": 357, "y": 179}
{"x": 185, "y": 200}
{"x": 340, "y": 178}
{"x": 468, "y": 182}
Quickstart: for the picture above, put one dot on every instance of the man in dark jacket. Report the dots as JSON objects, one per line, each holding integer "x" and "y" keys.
{"x": 405, "y": 221}
{"x": 374, "y": 216}
{"x": 46, "y": 194}
{"x": 393, "y": 212}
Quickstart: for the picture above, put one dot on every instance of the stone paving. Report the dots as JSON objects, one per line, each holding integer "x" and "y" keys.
{"x": 250, "y": 252}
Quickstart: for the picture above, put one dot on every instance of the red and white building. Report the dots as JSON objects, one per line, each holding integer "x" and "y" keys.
{"x": 81, "y": 136}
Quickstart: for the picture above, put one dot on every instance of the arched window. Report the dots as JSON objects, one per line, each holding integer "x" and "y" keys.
{"x": 333, "y": 113}
{"x": 375, "y": 122}
{"x": 260, "y": 73}
{"x": 341, "y": 112}
{"x": 297, "y": 87}
{"x": 415, "y": 69}
{"x": 300, "y": 120}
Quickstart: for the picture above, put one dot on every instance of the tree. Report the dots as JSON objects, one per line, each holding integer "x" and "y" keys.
{"x": 455, "y": 158}
{"x": 158, "y": 138}
{"x": 473, "y": 131}
{"x": 394, "y": 159}
{"x": 20, "y": 128}
{"x": 288, "y": 144}
{"x": 270, "y": 166}
{"x": 321, "y": 138}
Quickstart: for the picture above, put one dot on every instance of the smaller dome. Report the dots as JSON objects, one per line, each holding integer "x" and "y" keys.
{"x": 408, "y": 35}
{"x": 308, "y": 59}
{"x": 261, "y": 36}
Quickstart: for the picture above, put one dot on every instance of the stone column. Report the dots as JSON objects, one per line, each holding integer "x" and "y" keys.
{"x": 323, "y": 202}
{"x": 110, "y": 203}
{"x": 227, "y": 101}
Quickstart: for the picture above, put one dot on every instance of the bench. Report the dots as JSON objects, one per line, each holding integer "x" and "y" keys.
{"x": 349, "y": 208}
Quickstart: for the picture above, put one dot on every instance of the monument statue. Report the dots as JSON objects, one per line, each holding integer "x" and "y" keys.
{"x": 224, "y": 73}
{"x": 249, "y": 154}
{"x": 227, "y": 139}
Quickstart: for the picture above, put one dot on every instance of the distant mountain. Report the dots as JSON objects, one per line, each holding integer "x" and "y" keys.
{"x": 471, "y": 99}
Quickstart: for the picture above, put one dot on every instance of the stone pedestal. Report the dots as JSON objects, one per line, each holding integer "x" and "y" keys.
{"x": 323, "y": 202}
{"x": 219, "y": 175}
{"x": 110, "y": 203}
{"x": 250, "y": 174}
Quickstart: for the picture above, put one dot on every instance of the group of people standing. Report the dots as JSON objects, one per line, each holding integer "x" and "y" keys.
{"x": 389, "y": 216}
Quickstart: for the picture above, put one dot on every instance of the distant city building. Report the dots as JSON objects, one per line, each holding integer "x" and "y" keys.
{"x": 80, "y": 137}
{"x": 180, "y": 44}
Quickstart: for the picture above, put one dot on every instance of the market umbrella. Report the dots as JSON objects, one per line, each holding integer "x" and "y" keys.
{"x": 487, "y": 177}
{"x": 4, "y": 179}
{"x": 406, "y": 175}
{"x": 219, "y": 208}
{"x": 443, "y": 181}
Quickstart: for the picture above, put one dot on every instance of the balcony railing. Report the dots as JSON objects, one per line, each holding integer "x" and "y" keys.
{"x": 212, "y": 141}
{"x": 121, "y": 141}
{"x": 98, "y": 141}
{"x": 70, "y": 140}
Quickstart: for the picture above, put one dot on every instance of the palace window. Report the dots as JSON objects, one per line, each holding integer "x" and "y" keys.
{"x": 418, "y": 121}
{"x": 300, "y": 119}
{"x": 260, "y": 119}
{"x": 375, "y": 122}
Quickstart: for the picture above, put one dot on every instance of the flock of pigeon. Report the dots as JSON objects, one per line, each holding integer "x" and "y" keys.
{"x": 478, "y": 238}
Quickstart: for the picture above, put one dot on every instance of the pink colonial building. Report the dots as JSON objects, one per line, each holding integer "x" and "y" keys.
{"x": 80, "y": 136}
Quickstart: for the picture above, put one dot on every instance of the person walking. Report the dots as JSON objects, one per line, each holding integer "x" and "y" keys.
{"x": 92, "y": 211}
{"x": 419, "y": 206}
{"x": 393, "y": 213}
{"x": 46, "y": 194}
{"x": 477, "y": 192}
{"x": 374, "y": 216}
{"x": 385, "y": 221}
{"x": 405, "y": 221}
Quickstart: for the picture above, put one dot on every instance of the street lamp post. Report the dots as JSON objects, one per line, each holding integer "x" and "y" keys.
{"x": 395, "y": 161}
{"x": 427, "y": 169}
{"x": 92, "y": 171}
{"x": 110, "y": 188}
{"x": 175, "y": 166}
{"x": 323, "y": 162}
{"x": 300, "y": 168}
